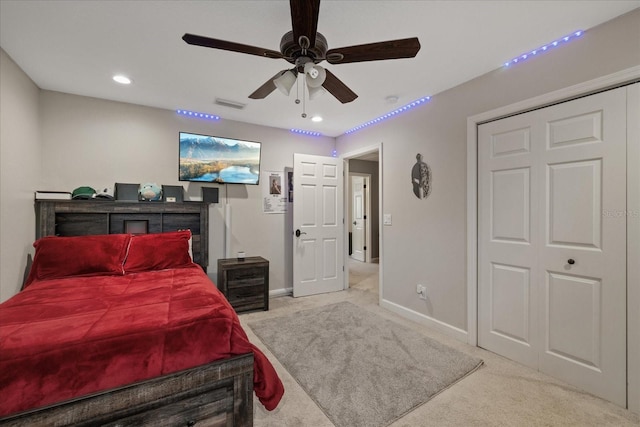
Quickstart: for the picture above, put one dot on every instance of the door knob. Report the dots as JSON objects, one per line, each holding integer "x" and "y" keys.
{"x": 571, "y": 261}
{"x": 354, "y": 223}
{"x": 298, "y": 233}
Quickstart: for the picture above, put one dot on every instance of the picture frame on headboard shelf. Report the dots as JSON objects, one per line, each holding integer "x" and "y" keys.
{"x": 126, "y": 192}
{"x": 173, "y": 193}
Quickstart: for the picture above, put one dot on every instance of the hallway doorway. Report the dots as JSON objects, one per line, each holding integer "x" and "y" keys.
{"x": 364, "y": 271}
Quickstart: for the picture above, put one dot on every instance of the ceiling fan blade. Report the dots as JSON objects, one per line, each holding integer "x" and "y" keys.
{"x": 304, "y": 19}
{"x": 231, "y": 46}
{"x": 337, "y": 88}
{"x": 391, "y": 49}
{"x": 267, "y": 87}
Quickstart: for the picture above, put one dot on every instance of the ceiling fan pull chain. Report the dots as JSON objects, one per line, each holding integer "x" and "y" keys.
{"x": 304, "y": 113}
{"x": 297, "y": 89}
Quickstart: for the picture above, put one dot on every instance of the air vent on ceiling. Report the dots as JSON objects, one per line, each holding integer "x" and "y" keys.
{"x": 230, "y": 104}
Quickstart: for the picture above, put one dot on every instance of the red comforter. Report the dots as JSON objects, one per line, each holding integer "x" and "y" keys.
{"x": 63, "y": 338}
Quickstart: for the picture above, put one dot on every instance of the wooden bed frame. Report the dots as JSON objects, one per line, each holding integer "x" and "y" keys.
{"x": 216, "y": 394}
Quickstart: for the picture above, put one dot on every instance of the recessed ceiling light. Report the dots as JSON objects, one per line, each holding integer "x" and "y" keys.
{"x": 316, "y": 119}
{"x": 122, "y": 79}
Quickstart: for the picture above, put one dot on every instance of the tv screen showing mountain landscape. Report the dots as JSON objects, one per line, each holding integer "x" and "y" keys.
{"x": 214, "y": 159}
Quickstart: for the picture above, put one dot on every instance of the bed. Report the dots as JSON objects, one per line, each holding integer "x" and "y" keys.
{"x": 125, "y": 329}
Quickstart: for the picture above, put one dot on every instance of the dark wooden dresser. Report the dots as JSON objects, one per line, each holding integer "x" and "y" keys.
{"x": 245, "y": 283}
{"x": 85, "y": 217}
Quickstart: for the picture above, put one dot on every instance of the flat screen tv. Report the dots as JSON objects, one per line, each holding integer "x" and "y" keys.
{"x": 205, "y": 158}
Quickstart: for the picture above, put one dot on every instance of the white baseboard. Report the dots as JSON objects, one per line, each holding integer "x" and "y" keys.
{"x": 445, "y": 328}
{"x": 280, "y": 292}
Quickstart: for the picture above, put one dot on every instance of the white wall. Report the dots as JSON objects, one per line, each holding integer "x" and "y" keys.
{"x": 427, "y": 241}
{"x": 20, "y": 172}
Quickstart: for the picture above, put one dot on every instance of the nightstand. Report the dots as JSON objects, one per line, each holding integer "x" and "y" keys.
{"x": 245, "y": 283}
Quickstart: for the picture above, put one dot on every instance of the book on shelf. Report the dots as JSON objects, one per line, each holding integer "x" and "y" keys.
{"x": 52, "y": 195}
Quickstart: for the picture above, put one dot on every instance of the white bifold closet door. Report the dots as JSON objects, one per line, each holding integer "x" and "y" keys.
{"x": 552, "y": 251}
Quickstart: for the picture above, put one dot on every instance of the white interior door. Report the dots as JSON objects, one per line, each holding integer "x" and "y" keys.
{"x": 318, "y": 225}
{"x": 551, "y": 262}
{"x": 508, "y": 240}
{"x": 358, "y": 218}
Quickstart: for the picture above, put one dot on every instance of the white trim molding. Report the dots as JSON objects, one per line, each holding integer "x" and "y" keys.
{"x": 423, "y": 319}
{"x": 280, "y": 292}
{"x": 633, "y": 248}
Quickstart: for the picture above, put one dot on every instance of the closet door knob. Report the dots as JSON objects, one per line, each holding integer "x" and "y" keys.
{"x": 571, "y": 261}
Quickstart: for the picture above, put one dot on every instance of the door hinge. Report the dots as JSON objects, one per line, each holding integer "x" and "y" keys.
{"x": 365, "y": 217}
{"x": 365, "y": 248}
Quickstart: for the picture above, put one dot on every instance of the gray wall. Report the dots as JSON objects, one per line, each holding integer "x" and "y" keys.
{"x": 94, "y": 142}
{"x": 427, "y": 241}
{"x": 20, "y": 171}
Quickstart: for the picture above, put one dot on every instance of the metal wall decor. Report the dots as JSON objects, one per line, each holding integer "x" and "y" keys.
{"x": 421, "y": 178}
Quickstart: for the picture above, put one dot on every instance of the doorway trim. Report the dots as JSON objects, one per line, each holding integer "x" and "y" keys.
{"x": 629, "y": 75}
{"x": 345, "y": 158}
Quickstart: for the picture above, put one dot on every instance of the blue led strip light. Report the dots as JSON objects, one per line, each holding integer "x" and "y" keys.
{"x": 305, "y": 132}
{"x": 393, "y": 113}
{"x": 197, "y": 115}
{"x": 546, "y": 47}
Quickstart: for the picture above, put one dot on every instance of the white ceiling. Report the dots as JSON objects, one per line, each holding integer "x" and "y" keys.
{"x": 76, "y": 47}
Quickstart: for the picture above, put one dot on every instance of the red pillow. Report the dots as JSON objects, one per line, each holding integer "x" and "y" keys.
{"x": 58, "y": 257}
{"x": 158, "y": 251}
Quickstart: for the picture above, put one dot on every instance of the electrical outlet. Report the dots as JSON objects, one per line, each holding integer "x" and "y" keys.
{"x": 422, "y": 291}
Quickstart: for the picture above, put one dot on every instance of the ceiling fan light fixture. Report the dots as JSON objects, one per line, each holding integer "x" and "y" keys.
{"x": 315, "y": 92}
{"x": 286, "y": 81}
{"x": 315, "y": 74}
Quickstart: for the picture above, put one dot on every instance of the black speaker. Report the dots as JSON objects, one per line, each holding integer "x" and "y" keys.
{"x": 173, "y": 193}
{"x": 210, "y": 194}
{"x": 126, "y": 192}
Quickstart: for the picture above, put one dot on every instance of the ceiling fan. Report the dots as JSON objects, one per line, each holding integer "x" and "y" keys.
{"x": 304, "y": 47}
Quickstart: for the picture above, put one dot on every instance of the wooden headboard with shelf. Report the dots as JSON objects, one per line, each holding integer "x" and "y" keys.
{"x": 88, "y": 217}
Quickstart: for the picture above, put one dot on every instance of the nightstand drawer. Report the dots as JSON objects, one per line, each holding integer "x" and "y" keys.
{"x": 242, "y": 303}
{"x": 240, "y": 283}
{"x": 245, "y": 273}
{"x": 246, "y": 291}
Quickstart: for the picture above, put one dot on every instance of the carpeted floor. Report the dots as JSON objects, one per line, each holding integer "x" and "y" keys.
{"x": 501, "y": 393}
{"x": 363, "y": 370}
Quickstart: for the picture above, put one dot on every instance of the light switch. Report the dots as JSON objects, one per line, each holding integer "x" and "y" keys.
{"x": 386, "y": 219}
